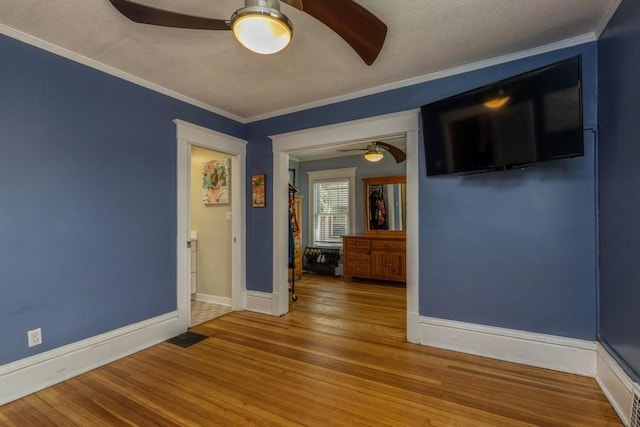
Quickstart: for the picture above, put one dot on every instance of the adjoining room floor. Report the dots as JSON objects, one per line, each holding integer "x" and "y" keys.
{"x": 204, "y": 311}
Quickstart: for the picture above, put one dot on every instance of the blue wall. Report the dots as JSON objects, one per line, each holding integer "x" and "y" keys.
{"x": 619, "y": 180}
{"x": 513, "y": 249}
{"x": 87, "y": 207}
{"x": 87, "y": 199}
{"x": 364, "y": 169}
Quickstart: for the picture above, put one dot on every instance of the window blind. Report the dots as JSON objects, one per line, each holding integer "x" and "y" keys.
{"x": 331, "y": 211}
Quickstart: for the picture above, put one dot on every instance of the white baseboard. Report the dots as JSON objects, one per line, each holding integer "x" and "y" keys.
{"x": 260, "y": 302}
{"x": 544, "y": 351}
{"x": 616, "y": 385}
{"x": 581, "y": 357}
{"x": 34, "y": 373}
{"x": 213, "y": 299}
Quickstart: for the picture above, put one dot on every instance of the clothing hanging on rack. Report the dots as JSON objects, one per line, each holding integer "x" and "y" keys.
{"x": 294, "y": 230}
{"x": 378, "y": 210}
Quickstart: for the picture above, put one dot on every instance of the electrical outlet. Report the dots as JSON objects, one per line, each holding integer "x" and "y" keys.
{"x": 34, "y": 337}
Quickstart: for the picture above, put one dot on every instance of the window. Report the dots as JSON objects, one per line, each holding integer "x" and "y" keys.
{"x": 332, "y": 205}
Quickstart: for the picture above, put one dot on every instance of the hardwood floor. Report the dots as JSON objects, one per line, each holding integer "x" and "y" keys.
{"x": 339, "y": 358}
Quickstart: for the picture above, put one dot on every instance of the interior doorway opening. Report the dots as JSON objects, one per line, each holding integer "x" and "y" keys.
{"x": 210, "y": 234}
{"x": 190, "y": 136}
{"x": 394, "y": 124}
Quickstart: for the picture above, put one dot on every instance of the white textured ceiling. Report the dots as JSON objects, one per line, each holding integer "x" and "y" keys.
{"x": 211, "y": 67}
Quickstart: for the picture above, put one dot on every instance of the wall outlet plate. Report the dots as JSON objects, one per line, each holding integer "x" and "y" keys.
{"x": 34, "y": 337}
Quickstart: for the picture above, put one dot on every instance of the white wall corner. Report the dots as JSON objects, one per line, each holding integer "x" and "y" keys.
{"x": 413, "y": 327}
{"x": 279, "y": 303}
{"x": 35, "y": 373}
{"x": 616, "y": 385}
{"x": 545, "y": 351}
{"x": 261, "y": 302}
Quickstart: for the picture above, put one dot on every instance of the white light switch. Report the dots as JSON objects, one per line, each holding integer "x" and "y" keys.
{"x": 228, "y": 218}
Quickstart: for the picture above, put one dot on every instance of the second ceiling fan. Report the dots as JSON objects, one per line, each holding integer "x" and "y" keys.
{"x": 261, "y": 27}
{"x": 375, "y": 154}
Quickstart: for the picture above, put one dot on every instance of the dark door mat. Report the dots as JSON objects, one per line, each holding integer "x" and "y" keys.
{"x": 187, "y": 339}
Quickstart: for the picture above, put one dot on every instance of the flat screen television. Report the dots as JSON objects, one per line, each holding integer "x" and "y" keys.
{"x": 511, "y": 123}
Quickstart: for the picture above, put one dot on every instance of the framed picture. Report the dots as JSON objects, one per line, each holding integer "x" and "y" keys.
{"x": 216, "y": 182}
{"x": 258, "y": 191}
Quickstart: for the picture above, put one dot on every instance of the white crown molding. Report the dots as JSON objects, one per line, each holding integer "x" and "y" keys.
{"x": 545, "y": 351}
{"x": 615, "y": 383}
{"x": 573, "y": 41}
{"x": 66, "y": 53}
{"x": 606, "y": 18}
{"x": 35, "y": 373}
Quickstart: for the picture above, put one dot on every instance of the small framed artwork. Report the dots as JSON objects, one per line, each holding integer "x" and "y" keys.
{"x": 258, "y": 191}
{"x": 216, "y": 183}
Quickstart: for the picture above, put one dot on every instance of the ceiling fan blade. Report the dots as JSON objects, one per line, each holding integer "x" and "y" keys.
{"x": 355, "y": 24}
{"x": 152, "y": 16}
{"x": 397, "y": 153}
{"x": 352, "y": 149}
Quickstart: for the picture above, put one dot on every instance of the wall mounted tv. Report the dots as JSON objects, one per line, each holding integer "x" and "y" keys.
{"x": 511, "y": 123}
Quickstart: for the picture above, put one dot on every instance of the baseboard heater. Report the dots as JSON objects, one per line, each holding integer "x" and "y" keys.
{"x": 322, "y": 261}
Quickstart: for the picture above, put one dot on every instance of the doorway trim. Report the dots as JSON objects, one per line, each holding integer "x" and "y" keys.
{"x": 188, "y": 135}
{"x": 406, "y": 122}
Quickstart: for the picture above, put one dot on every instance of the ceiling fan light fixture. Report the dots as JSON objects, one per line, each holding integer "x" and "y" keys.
{"x": 373, "y": 154}
{"x": 374, "y": 157}
{"x": 261, "y": 27}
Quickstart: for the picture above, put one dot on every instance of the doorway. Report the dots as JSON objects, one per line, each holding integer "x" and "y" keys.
{"x": 399, "y": 123}
{"x": 210, "y": 238}
{"x": 193, "y": 138}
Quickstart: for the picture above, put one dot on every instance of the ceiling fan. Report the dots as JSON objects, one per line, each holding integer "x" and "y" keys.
{"x": 375, "y": 154}
{"x": 261, "y": 27}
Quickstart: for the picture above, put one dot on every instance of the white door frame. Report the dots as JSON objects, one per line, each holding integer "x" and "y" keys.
{"x": 391, "y": 124}
{"x": 188, "y": 135}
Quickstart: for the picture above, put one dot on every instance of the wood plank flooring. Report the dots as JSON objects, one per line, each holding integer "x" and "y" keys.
{"x": 339, "y": 358}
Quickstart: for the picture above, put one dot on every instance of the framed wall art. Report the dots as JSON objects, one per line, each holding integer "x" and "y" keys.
{"x": 258, "y": 191}
{"x": 216, "y": 183}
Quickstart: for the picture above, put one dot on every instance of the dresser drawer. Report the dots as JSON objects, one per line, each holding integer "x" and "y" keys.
{"x": 358, "y": 257}
{"x": 388, "y": 245}
{"x": 358, "y": 243}
{"x": 358, "y": 269}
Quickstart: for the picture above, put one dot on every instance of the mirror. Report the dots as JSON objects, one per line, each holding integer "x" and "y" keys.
{"x": 385, "y": 205}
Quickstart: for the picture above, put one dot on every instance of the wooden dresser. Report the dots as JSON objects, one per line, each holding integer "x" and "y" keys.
{"x": 375, "y": 257}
